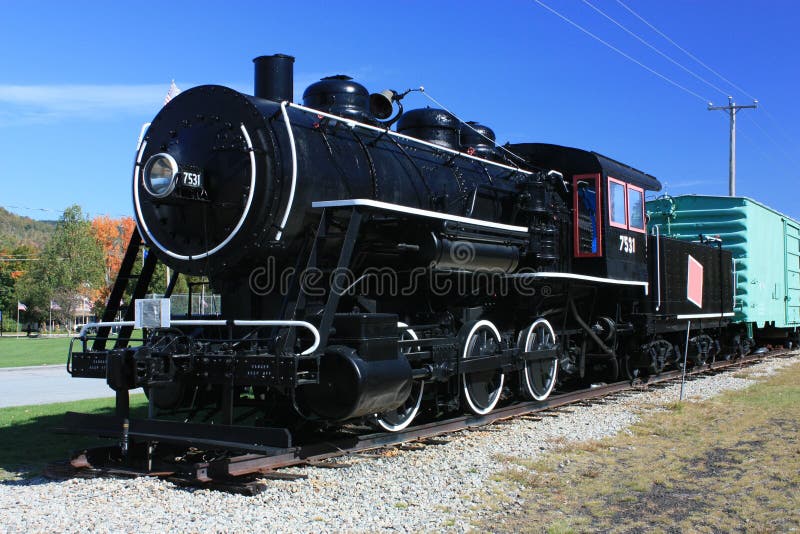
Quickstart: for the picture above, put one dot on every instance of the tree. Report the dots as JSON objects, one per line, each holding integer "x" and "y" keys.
{"x": 6, "y": 292}
{"x": 71, "y": 268}
{"x": 13, "y": 264}
{"x": 9, "y": 266}
{"x": 158, "y": 284}
{"x": 114, "y": 235}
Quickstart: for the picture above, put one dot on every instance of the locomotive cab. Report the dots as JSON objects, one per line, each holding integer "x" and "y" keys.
{"x": 609, "y": 227}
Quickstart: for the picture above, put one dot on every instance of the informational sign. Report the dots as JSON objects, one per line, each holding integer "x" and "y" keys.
{"x": 152, "y": 313}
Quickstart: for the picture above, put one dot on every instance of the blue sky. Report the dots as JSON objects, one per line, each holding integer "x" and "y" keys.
{"x": 78, "y": 79}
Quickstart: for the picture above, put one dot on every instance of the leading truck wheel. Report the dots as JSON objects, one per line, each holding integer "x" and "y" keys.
{"x": 399, "y": 418}
{"x": 481, "y": 389}
{"x": 539, "y": 376}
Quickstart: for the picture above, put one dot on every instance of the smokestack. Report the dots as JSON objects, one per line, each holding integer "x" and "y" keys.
{"x": 274, "y": 78}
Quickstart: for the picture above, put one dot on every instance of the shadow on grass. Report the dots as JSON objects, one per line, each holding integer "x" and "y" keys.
{"x": 29, "y": 441}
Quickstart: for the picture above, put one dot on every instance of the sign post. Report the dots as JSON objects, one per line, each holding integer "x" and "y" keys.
{"x": 685, "y": 357}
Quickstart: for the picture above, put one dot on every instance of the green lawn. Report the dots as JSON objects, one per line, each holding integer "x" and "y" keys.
{"x": 28, "y": 441}
{"x": 24, "y": 351}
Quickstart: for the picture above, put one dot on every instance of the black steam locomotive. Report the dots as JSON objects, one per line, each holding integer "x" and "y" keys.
{"x": 386, "y": 266}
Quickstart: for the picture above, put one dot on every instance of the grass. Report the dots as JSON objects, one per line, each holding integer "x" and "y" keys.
{"x": 728, "y": 464}
{"x": 24, "y": 351}
{"x": 28, "y": 441}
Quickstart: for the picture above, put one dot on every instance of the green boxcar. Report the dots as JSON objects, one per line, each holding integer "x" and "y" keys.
{"x": 765, "y": 246}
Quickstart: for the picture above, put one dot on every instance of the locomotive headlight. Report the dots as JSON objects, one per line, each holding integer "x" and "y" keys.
{"x": 159, "y": 174}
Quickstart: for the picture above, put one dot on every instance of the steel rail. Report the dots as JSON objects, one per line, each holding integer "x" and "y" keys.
{"x": 239, "y": 474}
{"x": 304, "y": 454}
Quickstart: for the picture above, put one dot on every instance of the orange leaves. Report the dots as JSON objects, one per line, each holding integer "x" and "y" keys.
{"x": 114, "y": 235}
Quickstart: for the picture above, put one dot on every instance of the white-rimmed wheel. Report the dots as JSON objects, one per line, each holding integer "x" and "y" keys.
{"x": 481, "y": 389}
{"x": 539, "y": 376}
{"x": 399, "y": 418}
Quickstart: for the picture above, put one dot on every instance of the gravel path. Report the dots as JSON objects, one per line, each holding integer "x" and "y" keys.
{"x": 436, "y": 488}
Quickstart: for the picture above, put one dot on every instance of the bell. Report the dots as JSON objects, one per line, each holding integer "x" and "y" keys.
{"x": 380, "y": 104}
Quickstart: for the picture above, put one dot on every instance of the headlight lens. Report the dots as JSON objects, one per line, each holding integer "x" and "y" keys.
{"x": 159, "y": 175}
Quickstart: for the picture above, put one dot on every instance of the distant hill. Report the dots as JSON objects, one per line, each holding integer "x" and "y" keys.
{"x": 17, "y": 230}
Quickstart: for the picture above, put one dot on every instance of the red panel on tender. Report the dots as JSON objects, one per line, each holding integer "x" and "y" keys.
{"x": 694, "y": 282}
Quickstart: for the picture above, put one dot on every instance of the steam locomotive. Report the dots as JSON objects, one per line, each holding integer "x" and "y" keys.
{"x": 386, "y": 266}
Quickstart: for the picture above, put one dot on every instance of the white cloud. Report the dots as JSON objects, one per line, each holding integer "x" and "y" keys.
{"x": 45, "y": 104}
{"x": 688, "y": 183}
{"x": 25, "y": 104}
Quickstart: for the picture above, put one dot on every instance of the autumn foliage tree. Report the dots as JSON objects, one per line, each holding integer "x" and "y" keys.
{"x": 114, "y": 235}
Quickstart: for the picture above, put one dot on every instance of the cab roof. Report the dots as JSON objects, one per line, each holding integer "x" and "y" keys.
{"x": 571, "y": 161}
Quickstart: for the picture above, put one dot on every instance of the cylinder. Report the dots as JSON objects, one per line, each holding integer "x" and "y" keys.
{"x": 274, "y": 77}
{"x": 459, "y": 255}
{"x": 350, "y": 387}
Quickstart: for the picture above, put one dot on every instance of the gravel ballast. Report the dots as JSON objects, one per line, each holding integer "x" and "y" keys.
{"x": 438, "y": 487}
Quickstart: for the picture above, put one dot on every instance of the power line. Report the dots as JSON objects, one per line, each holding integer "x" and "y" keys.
{"x": 653, "y": 48}
{"x": 32, "y": 209}
{"x": 758, "y": 146}
{"x": 620, "y": 52}
{"x": 756, "y": 143}
{"x": 769, "y": 115}
{"x": 673, "y": 82}
{"x": 777, "y": 145}
{"x": 679, "y": 47}
{"x": 778, "y": 126}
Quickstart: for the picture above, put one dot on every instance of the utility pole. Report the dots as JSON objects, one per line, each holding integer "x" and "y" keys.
{"x": 732, "y": 109}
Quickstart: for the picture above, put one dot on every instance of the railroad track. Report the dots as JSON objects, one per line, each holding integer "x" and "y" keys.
{"x": 245, "y": 473}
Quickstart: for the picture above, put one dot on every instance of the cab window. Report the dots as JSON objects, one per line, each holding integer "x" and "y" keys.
{"x": 625, "y": 206}
{"x": 586, "y": 207}
{"x": 616, "y": 204}
{"x": 635, "y": 208}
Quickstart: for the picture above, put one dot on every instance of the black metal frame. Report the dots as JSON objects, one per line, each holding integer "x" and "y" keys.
{"x": 282, "y": 367}
{"x": 118, "y": 290}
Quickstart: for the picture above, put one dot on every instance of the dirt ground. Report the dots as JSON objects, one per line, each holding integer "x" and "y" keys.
{"x": 729, "y": 464}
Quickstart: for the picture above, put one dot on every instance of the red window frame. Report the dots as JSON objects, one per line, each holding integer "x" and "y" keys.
{"x": 598, "y": 215}
{"x": 626, "y": 187}
{"x": 643, "y": 229}
{"x": 611, "y": 222}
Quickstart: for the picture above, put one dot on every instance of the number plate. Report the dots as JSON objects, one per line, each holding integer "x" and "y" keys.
{"x": 192, "y": 179}
{"x": 627, "y": 244}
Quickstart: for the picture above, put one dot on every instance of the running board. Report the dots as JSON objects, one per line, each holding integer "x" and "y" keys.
{"x": 263, "y": 440}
